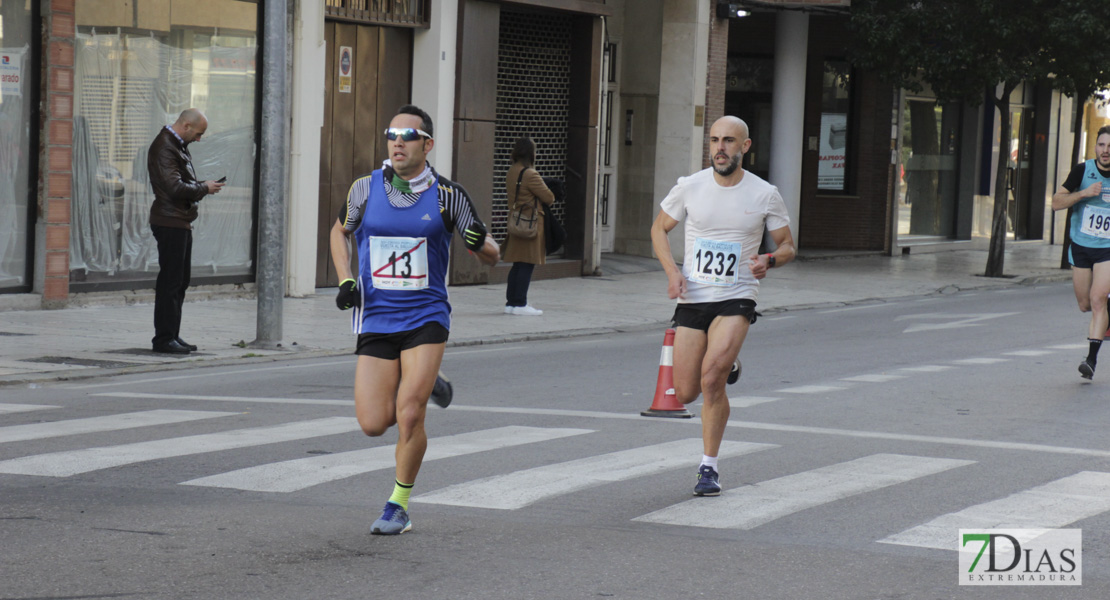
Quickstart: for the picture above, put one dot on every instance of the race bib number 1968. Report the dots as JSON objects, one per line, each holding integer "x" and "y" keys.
{"x": 399, "y": 263}
{"x": 715, "y": 263}
{"x": 1096, "y": 221}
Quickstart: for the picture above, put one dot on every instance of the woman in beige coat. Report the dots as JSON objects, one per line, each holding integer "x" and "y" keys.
{"x": 524, "y": 254}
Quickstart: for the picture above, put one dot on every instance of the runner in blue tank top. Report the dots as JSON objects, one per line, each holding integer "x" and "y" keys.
{"x": 402, "y": 217}
{"x": 1086, "y": 192}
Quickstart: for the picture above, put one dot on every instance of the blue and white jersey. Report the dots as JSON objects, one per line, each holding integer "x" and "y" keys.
{"x": 402, "y": 255}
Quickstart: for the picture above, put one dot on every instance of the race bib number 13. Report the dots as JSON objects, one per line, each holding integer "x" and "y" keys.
{"x": 715, "y": 263}
{"x": 399, "y": 263}
{"x": 1096, "y": 222}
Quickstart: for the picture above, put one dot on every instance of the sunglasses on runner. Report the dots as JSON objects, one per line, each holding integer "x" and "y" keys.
{"x": 408, "y": 134}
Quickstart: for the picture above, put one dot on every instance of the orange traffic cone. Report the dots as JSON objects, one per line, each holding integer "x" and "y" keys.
{"x": 666, "y": 404}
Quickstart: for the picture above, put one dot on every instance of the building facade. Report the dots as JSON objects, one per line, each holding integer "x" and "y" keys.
{"x": 618, "y": 94}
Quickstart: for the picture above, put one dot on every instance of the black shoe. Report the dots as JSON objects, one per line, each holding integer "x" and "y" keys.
{"x": 171, "y": 347}
{"x": 1086, "y": 369}
{"x": 191, "y": 347}
{"x": 734, "y": 374}
{"x": 442, "y": 392}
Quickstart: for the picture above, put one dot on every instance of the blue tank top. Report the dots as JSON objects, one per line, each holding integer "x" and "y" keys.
{"x": 1090, "y": 218}
{"x": 407, "y": 296}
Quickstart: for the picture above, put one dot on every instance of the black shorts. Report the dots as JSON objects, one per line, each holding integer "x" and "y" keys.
{"x": 1085, "y": 257}
{"x": 390, "y": 345}
{"x": 700, "y": 315}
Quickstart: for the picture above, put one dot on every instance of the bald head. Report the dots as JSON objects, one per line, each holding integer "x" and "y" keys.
{"x": 190, "y": 125}
{"x": 730, "y": 125}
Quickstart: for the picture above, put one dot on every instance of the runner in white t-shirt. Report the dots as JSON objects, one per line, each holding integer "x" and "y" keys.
{"x": 725, "y": 210}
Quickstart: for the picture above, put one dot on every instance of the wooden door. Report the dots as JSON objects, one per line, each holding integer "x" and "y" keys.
{"x": 352, "y": 143}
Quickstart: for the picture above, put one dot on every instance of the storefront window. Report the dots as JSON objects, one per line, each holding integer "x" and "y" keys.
{"x": 16, "y": 102}
{"x": 835, "y": 113}
{"x": 749, "y": 82}
{"x": 136, "y": 70}
{"x": 927, "y": 183}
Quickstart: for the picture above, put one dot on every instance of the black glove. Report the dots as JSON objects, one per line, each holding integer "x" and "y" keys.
{"x": 348, "y": 295}
{"x": 474, "y": 237}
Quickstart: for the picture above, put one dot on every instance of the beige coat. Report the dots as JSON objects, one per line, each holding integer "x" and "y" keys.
{"x": 531, "y": 187}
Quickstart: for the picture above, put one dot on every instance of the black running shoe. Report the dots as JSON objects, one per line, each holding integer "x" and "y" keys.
{"x": 442, "y": 392}
{"x": 1086, "y": 369}
{"x": 734, "y": 374}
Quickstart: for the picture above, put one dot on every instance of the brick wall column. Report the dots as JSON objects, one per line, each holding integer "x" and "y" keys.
{"x": 715, "y": 77}
{"x": 57, "y": 147}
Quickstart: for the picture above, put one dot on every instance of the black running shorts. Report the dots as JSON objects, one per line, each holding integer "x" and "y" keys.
{"x": 1085, "y": 257}
{"x": 390, "y": 345}
{"x": 700, "y": 315}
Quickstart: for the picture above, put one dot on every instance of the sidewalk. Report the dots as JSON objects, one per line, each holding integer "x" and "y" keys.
{"x": 45, "y": 345}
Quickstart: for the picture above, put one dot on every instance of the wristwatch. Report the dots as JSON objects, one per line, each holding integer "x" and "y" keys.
{"x": 770, "y": 261}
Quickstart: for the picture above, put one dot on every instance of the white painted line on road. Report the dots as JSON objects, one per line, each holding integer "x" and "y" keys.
{"x": 875, "y": 378}
{"x": 751, "y": 506}
{"x": 801, "y": 429}
{"x": 1083, "y": 346}
{"x": 259, "y": 400}
{"x": 746, "y": 401}
{"x": 36, "y": 431}
{"x": 782, "y": 318}
{"x": 1054, "y": 504}
{"x": 522, "y": 488}
{"x": 811, "y": 389}
{"x": 64, "y": 464}
{"x": 980, "y": 361}
{"x": 293, "y": 475}
{"x": 927, "y": 368}
{"x": 848, "y": 308}
{"x": 14, "y": 408}
{"x": 210, "y": 374}
{"x": 1028, "y": 353}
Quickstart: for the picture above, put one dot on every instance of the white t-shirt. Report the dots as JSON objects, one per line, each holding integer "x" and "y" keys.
{"x": 724, "y": 227}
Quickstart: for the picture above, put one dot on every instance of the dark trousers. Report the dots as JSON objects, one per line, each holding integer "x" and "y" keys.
{"x": 516, "y": 293}
{"x": 175, "y": 261}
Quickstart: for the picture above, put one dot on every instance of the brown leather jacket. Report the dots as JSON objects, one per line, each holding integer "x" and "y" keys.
{"x": 176, "y": 189}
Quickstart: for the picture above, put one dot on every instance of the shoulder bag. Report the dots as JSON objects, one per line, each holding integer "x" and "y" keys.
{"x": 524, "y": 219}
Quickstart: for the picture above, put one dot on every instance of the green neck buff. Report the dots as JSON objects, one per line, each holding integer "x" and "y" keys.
{"x": 400, "y": 184}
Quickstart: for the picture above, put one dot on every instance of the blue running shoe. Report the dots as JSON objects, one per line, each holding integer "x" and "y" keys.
{"x": 394, "y": 521}
{"x": 707, "y": 482}
{"x": 442, "y": 391}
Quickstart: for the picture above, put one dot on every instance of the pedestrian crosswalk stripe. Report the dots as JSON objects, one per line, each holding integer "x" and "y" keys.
{"x": 66, "y": 463}
{"x": 260, "y": 400}
{"x": 522, "y": 488}
{"x": 35, "y": 431}
{"x": 873, "y": 378}
{"x": 927, "y": 368}
{"x": 980, "y": 361}
{"x": 746, "y": 401}
{"x": 751, "y": 506}
{"x": 14, "y": 408}
{"x": 1027, "y": 353}
{"x": 1054, "y": 504}
{"x": 301, "y": 473}
{"x": 810, "y": 389}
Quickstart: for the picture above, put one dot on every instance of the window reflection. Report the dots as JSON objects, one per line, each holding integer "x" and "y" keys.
{"x": 16, "y": 98}
{"x": 927, "y": 178}
{"x": 131, "y": 81}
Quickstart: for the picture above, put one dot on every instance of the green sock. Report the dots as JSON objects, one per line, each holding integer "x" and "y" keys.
{"x": 401, "y": 493}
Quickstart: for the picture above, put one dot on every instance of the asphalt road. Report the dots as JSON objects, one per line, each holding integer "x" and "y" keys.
{"x": 860, "y": 440}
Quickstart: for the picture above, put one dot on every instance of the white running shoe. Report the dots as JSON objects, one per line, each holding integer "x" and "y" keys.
{"x": 527, "y": 311}
{"x": 508, "y": 310}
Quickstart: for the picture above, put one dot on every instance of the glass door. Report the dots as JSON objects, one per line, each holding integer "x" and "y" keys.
{"x": 18, "y": 97}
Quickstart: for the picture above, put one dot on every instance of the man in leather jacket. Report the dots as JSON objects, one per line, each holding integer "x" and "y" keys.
{"x": 176, "y": 195}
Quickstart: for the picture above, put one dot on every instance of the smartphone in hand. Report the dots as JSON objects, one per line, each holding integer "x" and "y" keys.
{"x": 222, "y": 179}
